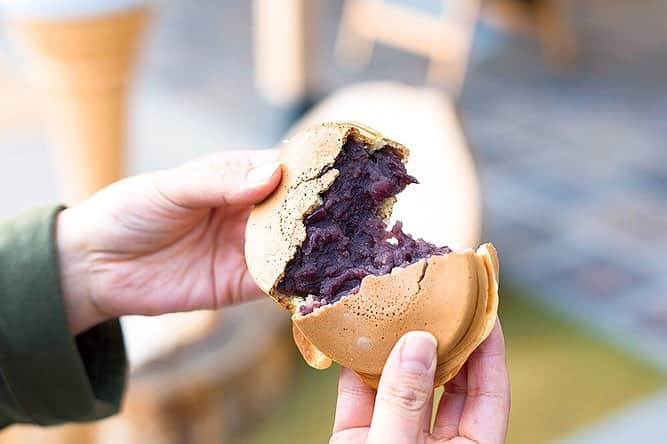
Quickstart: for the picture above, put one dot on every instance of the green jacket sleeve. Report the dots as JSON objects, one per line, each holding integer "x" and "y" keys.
{"x": 46, "y": 375}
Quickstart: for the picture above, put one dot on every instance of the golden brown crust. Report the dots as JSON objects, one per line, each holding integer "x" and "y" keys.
{"x": 454, "y": 296}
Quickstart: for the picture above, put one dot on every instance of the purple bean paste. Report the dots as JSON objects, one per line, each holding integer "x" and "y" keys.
{"x": 346, "y": 238}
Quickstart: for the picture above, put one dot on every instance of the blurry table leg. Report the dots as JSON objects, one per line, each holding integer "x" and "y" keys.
{"x": 82, "y": 68}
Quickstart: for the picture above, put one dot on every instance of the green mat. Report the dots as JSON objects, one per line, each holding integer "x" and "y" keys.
{"x": 562, "y": 378}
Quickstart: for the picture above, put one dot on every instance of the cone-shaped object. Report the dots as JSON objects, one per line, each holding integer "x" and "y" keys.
{"x": 82, "y": 67}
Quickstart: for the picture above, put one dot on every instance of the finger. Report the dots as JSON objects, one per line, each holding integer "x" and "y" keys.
{"x": 487, "y": 404}
{"x": 450, "y": 407}
{"x": 405, "y": 387}
{"x": 354, "y": 407}
{"x": 233, "y": 178}
{"x": 426, "y": 427}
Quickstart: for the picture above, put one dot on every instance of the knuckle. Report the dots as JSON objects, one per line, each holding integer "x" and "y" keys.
{"x": 234, "y": 169}
{"x": 354, "y": 391}
{"x": 490, "y": 354}
{"x": 410, "y": 395}
{"x": 476, "y": 392}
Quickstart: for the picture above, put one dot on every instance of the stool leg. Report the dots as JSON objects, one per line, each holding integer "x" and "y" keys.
{"x": 82, "y": 70}
{"x": 88, "y": 134}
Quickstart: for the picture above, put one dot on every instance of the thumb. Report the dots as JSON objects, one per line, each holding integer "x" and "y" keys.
{"x": 405, "y": 390}
{"x": 231, "y": 178}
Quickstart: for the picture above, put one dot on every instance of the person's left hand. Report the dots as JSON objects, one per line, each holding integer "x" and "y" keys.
{"x": 163, "y": 242}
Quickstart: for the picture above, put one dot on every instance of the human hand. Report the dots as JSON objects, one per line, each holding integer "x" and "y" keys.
{"x": 163, "y": 242}
{"x": 474, "y": 408}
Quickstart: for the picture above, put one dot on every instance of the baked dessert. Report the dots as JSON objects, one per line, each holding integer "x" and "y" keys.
{"x": 319, "y": 246}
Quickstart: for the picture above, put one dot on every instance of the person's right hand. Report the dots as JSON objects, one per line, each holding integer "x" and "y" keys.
{"x": 473, "y": 410}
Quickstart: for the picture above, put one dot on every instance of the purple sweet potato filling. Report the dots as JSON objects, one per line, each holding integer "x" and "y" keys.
{"x": 346, "y": 238}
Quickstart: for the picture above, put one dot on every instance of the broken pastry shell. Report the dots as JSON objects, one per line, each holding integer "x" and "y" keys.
{"x": 453, "y": 296}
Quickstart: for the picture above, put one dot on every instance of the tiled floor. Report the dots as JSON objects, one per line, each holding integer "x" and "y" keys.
{"x": 574, "y": 168}
{"x": 573, "y": 165}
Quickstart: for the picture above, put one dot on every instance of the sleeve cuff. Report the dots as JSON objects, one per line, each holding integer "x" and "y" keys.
{"x": 52, "y": 376}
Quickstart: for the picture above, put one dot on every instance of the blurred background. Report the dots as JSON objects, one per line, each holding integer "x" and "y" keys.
{"x": 536, "y": 124}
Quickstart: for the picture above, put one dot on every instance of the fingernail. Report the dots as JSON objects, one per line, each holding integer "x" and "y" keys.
{"x": 418, "y": 351}
{"x": 262, "y": 174}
